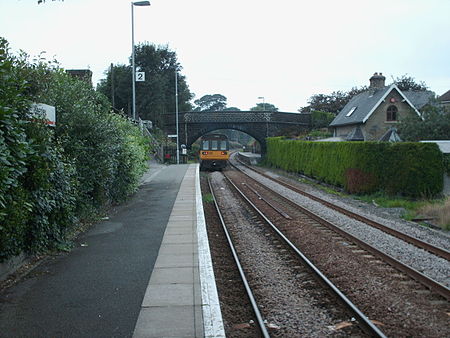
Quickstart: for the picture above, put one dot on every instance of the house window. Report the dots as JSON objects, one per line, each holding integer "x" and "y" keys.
{"x": 351, "y": 111}
{"x": 391, "y": 113}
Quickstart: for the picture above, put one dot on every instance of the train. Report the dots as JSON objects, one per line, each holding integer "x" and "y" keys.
{"x": 214, "y": 152}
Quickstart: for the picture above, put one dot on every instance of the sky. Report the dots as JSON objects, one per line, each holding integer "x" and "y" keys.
{"x": 284, "y": 51}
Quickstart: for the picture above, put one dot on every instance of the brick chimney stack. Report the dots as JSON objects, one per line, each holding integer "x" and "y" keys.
{"x": 377, "y": 81}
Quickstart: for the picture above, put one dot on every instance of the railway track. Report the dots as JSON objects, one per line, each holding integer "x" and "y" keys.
{"x": 426, "y": 281}
{"x": 376, "y": 269}
{"x": 413, "y": 273}
{"x": 281, "y": 252}
{"x": 409, "y": 239}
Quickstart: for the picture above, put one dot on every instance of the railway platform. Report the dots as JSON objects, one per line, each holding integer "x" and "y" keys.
{"x": 181, "y": 298}
{"x": 249, "y": 158}
{"x": 144, "y": 271}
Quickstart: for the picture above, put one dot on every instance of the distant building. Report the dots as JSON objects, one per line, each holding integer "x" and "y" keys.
{"x": 444, "y": 100}
{"x": 82, "y": 74}
{"x": 369, "y": 115}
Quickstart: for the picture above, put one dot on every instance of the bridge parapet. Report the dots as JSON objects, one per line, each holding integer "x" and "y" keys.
{"x": 258, "y": 124}
{"x": 227, "y": 116}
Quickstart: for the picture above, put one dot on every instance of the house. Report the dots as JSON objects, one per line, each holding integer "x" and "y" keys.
{"x": 369, "y": 115}
{"x": 444, "y": 100}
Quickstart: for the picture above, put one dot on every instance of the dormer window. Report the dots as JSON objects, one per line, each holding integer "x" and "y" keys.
{"x": 351, "y": 111}
{"x": 391, "y": 113}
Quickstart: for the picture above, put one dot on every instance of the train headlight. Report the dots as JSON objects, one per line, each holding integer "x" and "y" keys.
{"x": 204, "y": 153}
{"x": 223, "y": 153}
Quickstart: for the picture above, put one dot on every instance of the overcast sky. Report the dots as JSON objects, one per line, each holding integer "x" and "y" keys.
{"x": 284, "y": 50}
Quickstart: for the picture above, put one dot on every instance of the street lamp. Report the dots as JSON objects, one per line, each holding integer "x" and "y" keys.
{"x": 264, "y": 103}
{"x": 133, "y": 68}
{"x": 176, "y": 112}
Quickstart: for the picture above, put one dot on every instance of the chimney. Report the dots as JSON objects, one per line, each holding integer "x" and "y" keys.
{"x": 377, "y": 81}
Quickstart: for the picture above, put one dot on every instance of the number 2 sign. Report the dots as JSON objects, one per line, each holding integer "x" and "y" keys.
{"x": 140, "y": 76}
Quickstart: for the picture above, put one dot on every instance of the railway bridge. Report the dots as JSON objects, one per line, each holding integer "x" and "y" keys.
{"x": 258, "y": 124}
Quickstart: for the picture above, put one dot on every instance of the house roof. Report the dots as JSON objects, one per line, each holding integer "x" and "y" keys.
{"x": 361, "y": 106}
{"x": 391, "y": 136}
{"x": 445, "y": 97}
{"x": 355, "y": 135}
{"x": 419, "y": 98}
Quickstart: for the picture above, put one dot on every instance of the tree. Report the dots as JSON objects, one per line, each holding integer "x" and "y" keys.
{"x": 320, "y": 119}
{"x": 264, "y": 106}
{"x": 120, "y": 76}
{"x": 331, "y": 103}
{"x": 434, "y": 125}
{"x": 409, "y": 83}
{"x": 213, "y": 102}
{"x": 156, "y": 95}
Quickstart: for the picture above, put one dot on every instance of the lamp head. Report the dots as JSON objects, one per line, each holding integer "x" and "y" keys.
{"x": 141, "y": 3}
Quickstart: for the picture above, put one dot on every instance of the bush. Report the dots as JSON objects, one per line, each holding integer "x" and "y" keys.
{"x": 36, "y": 194}
{"x": 409, "y": 169}
{"x": 50, "y": 177}
{"x": 110, "y": 154}
{"x": 447, "y": 163}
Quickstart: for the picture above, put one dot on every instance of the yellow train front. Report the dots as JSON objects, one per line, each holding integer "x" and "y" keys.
{"x": 214, "y": 152}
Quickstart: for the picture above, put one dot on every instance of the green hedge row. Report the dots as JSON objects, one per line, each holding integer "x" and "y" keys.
{"x": 447, "y": 163}
{"x": 408, "y": 169}
{"x": 52, "y": 177}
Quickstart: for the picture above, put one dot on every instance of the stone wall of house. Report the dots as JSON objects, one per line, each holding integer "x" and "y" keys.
{"x": 343, "y": 131}
{"x": 376, "y": 126}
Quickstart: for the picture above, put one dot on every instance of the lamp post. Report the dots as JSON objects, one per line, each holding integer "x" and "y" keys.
{"x": 176, "y": 111}
{"x": 264, "y": 103}
{"x": 133, "y": 68}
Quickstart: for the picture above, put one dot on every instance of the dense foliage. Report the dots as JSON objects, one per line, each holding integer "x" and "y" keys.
{"x": 156, "y": 95}
{"x": 266, "y": 106}
{"x": 49, "y": 177}
{"x": 320, "y": 119}
{"x": 434, "y": 125}
{"x": 108, "y": 152}
{"x": 408, "y": 169}
{"x": 214, "y": 102}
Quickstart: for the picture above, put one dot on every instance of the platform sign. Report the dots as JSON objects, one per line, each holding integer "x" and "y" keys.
{"x": 46, "y": 111}
{"x": 140, "y": 76}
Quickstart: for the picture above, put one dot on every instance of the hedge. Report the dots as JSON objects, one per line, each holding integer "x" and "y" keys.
{"x": 52, "y": 177}
{"x": 408, "y": 169}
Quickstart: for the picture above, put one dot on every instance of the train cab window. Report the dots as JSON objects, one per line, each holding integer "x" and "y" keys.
{"x": 223, "y": 145}
{"x": 214, "y": 145}
{"x": 205, "y": 145}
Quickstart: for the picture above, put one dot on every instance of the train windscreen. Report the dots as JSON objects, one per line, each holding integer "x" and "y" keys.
{"x": 214, "y": 145}
{"x": 205, "y": 145}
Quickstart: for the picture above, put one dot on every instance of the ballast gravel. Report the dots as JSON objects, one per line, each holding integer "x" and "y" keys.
{"x": 427, "y": 263}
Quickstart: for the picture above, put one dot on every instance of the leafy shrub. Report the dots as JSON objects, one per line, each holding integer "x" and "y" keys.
{"x": 447, "y": 163}
{"x": 410, "y": 169}
{"x": 36, "y": 194}
{"x": 359, "y": 182}
{"x": 50, "y": 177}
{"x": 321, "y": 119}
{"x": 109, "y": 153}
